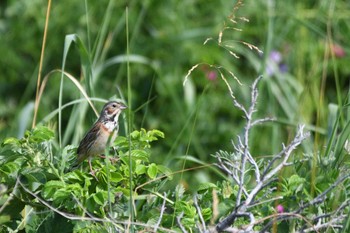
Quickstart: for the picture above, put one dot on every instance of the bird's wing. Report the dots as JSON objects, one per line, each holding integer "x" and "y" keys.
{"x": 86, "y": 143}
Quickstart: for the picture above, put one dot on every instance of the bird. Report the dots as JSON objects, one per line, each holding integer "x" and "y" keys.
{"x": 103, "y": 132}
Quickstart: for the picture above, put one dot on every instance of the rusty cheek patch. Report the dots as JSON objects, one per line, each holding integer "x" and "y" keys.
{"x": 111, "y": 111}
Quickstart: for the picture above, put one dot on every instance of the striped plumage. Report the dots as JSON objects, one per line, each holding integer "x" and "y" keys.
{"x": 103, "y": 131}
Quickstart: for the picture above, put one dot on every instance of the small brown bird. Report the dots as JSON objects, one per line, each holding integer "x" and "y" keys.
{"x": 104, "y": 131}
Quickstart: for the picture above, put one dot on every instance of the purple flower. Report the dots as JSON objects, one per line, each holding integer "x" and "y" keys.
{"x": 279, "y": 208}
{"x": 283, "y": 68}
{"x": 274, "y": 63}
{"x": 275, "y": 56}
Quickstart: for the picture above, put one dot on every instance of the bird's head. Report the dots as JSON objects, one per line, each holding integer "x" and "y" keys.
{"x": 112, "y": 110}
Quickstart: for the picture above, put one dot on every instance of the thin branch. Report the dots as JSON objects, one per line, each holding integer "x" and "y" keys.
{"x": 265, "y": 185}
{"x": 265, "y": 201}
{"x": 301, "y": 136}
{"x": 12, "y": 194}
{"x": 75, "y": 217}
{"x": 319, "y": 199}
{"x": 178, "y": 220}
{"x": 255, "y": 165}
{"x": 260, "y": 185}
{"x": 261, "y": 121}
{"x": 161, "y": 214}
{"x": 199, "y": 212}
{"x": 238, "y": 168}
{"x": 229, "y": 172}
{"x": 334, "y": 223}
{"x": 223, "y": 225}
{"x": 335, "y": 184}
{"x": 254, "y": 96}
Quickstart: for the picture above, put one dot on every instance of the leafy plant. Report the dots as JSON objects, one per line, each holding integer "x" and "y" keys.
{"x": 30, "y": 177}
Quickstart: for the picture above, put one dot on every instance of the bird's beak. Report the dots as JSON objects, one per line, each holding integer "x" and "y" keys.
{"x": 122, "y": 106}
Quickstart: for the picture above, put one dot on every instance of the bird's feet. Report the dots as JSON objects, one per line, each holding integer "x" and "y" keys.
{"x": 92, "y": 171}
{"x": 112, "y": 159}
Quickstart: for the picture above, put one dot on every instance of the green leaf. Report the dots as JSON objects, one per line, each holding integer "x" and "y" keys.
{"x": 10, "y": 167}
{"x": 295, "y": 183}
{"x": 206, "y": 186}
{"x": 50, "y": 188}
{"x": 295, "y": 180}
{"x": 152, "y": 170}
{"x": 116, "y": 177}
{"x": 9, "y": 171}
{"x": 75, "y": 176}
{"x": 41, "y": 134}
{"x": 154, "y": 134}
{"x": 227, "y": 189}
{"x": 135, "y": 134}
{"x": 74, "y": 188}
{"x": 140, "y": 169}
{"x": 61, "y": 195}
{"x": 126, "y": 160}
{"x": 207, "y": 213}
{"x": 339, "y": 147}
{"x": 186, "y": 207}
{"x": 140, "y": 154}
{"x": 99, "y": 198}
{"x": 10, "y": 141}
{"x": 166, "y": 171}
{"x": 125, "y": 191}
{"x": 35, "y": 178}
{"x": 4, "y": 219}
{"x": 121, "y": 142}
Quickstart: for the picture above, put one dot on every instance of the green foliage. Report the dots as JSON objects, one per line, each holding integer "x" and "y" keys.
{"x": 33, "y": 179}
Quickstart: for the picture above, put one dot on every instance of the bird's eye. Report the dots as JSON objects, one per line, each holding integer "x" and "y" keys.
{"x": 114, "y": 105}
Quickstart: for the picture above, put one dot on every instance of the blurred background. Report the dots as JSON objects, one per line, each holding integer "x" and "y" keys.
{"x": 304, "y": 63}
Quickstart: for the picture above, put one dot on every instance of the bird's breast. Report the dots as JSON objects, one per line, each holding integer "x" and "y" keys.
{"x": 100, "y": 144}
{"x": 110, "y": 126}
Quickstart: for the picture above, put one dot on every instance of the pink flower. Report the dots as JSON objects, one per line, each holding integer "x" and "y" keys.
{"x": 337, "y": 50}
{"x": 211, "y": 75}
{"x": 279, "y": 208}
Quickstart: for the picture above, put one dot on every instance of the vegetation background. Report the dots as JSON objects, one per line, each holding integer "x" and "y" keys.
{"x": 304, "y": 63}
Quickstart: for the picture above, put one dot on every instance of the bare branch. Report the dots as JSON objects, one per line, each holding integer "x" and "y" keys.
{"x": 319, "y": 199}
{"x": 223, "y": 166}
{"x": 265, "y": 201}
{"x": 333, "y": 223}
{"x": 239, "y": 167}
{"x": 255, "y": 165}
{"x": 245, "y": 155}
{"x": 199, "y": 212}
{"x": 261, "y": 121}
{"x": 267, "y": 177}
{"x": 301, "y": 136}
{"x": 161, "y": 214}
{"x": 178, "y": 220}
